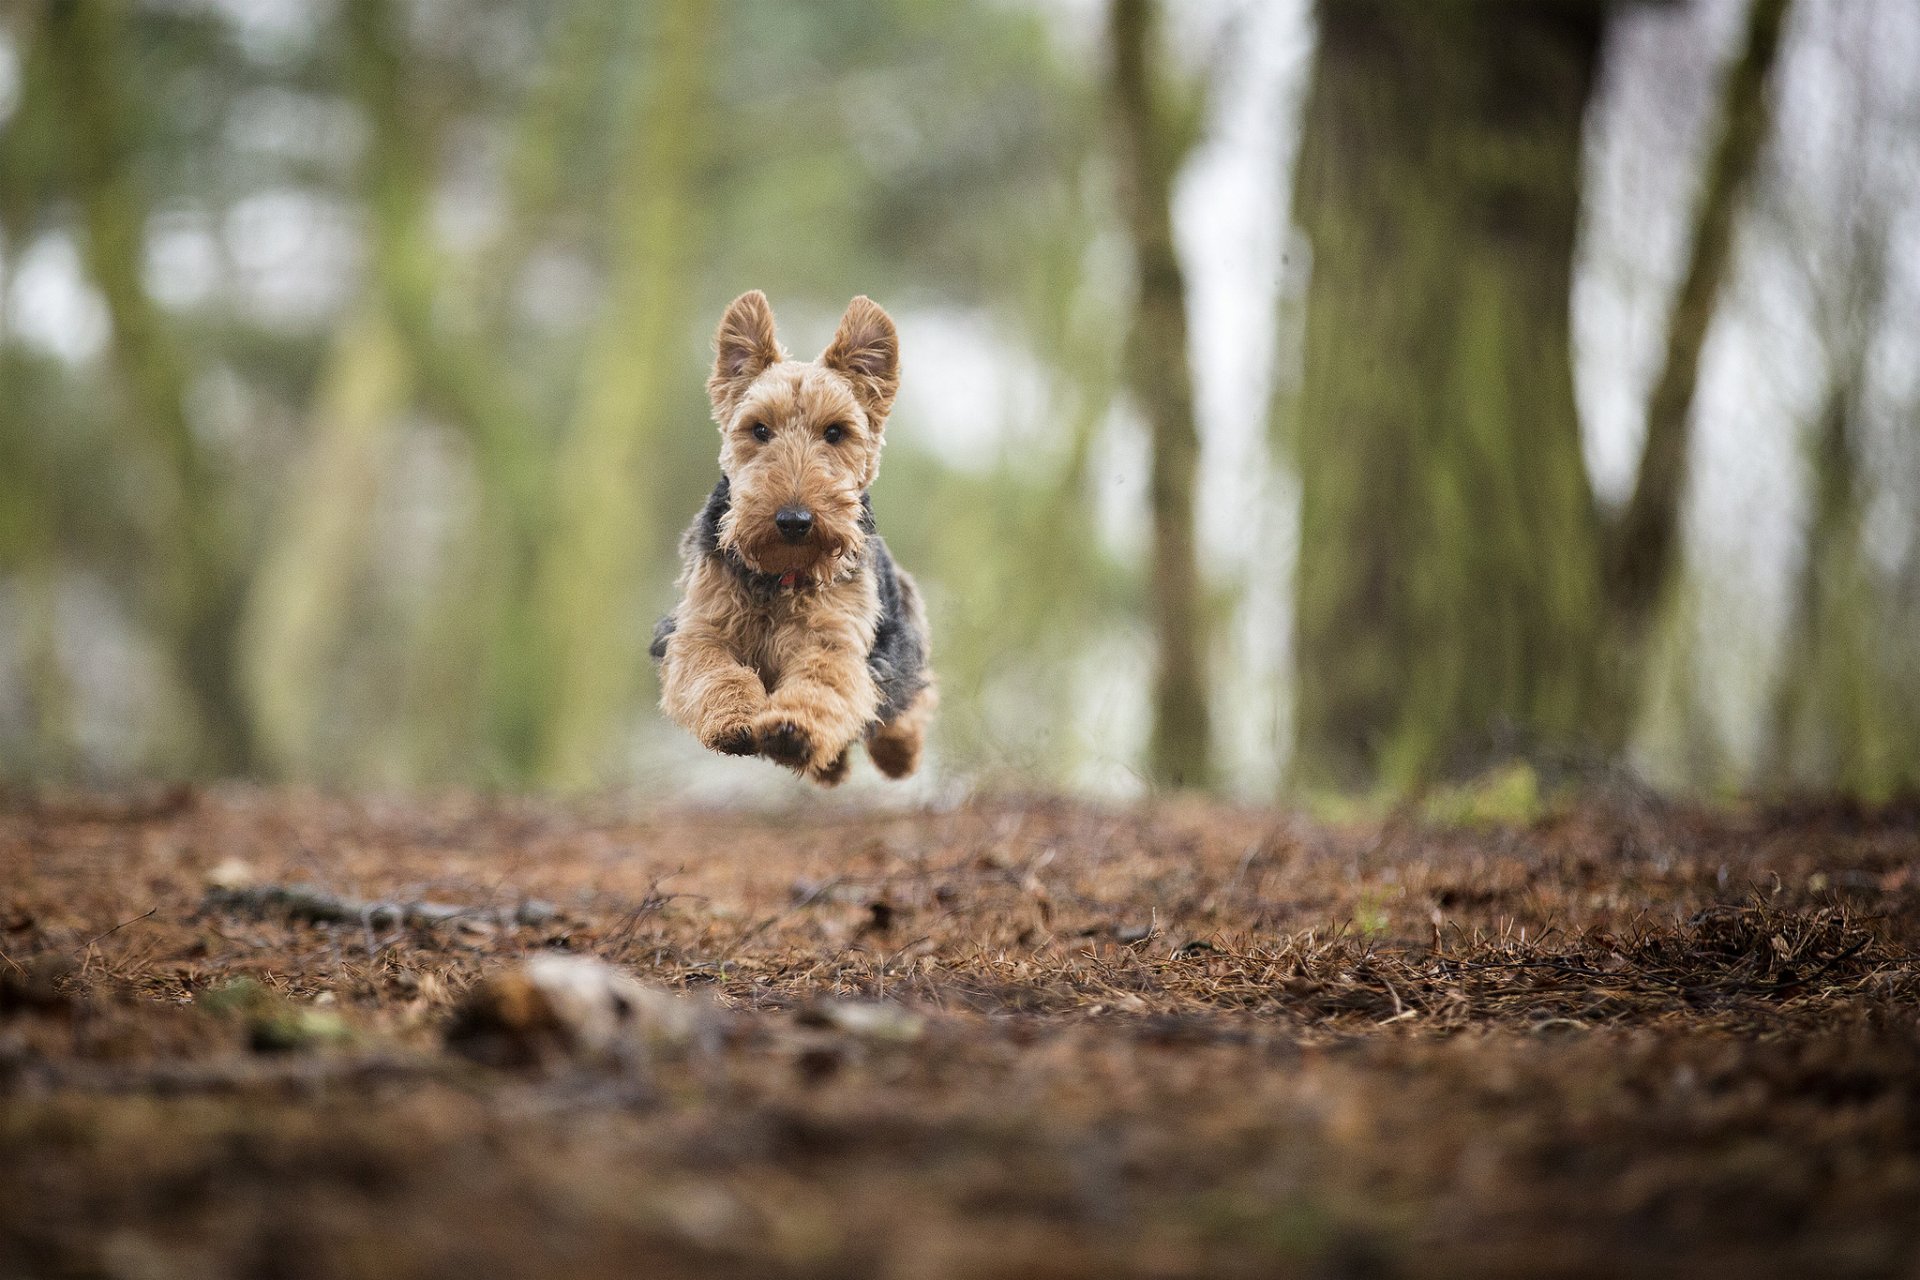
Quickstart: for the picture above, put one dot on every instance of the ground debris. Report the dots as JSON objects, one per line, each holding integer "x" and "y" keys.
{"x": 41, "y": 985}
{"x": 1016, "y": 1036}
{"x": 556, "y": 1008}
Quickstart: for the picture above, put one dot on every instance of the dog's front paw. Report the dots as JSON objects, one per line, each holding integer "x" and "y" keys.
{"x": 783, "y": 741}
{"x": 834, "y": 773}
{"x": 734, "y": 740}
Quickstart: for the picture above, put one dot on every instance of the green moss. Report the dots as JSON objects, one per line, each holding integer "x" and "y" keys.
{"x": 1507, "y": 793}
{"x": 273, "y": 1023}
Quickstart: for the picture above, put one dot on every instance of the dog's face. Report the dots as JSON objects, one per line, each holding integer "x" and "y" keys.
{"x": 800, "y": 440}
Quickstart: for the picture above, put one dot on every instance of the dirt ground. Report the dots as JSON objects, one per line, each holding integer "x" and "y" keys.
{"x": 1021, "y": 1037}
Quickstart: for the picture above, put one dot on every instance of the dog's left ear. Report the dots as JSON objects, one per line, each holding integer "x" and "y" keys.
{"x": 866, "y": 351}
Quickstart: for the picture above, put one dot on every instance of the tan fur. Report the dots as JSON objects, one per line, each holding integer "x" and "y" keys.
{"x": 786, "y": 676}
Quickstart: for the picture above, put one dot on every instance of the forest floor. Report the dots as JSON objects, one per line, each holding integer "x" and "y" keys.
{"x": 1020, "y": 1037}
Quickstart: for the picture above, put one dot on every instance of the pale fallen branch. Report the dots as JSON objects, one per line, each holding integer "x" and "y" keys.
{"x": 311, "y": 904}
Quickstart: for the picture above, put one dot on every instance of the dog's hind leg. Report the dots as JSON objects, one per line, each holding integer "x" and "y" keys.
{"x": 895, "y": 746}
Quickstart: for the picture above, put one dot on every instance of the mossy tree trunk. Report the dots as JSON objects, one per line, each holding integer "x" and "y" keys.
{"x": 1459, "y": 591}
{"x": 1161, "y": 383}
{"x": 1449, "y": 556}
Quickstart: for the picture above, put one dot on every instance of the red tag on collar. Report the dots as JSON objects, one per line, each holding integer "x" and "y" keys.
{"x": 790, "y": 579}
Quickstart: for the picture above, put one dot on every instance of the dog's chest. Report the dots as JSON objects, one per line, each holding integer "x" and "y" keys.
{"x": 766, "y": 632}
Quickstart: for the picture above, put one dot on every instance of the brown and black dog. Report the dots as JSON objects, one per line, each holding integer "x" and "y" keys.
{"x": 796, "y": 635}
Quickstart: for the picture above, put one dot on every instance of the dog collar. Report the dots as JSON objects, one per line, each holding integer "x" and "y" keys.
{"x": 793, "y": 581}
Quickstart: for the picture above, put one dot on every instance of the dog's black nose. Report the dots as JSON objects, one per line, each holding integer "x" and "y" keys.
{"x": 794, "y": 523}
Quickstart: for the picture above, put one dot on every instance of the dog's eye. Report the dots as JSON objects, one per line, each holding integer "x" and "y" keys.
{"x": 762, "y": 432}
{"x": 834, "y": 433}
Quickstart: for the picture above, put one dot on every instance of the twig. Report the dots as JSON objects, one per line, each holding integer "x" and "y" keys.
{"x": 123, "y": 924}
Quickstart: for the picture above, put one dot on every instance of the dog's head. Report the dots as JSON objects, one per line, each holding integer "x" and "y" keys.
{"x": 800, "y": 440}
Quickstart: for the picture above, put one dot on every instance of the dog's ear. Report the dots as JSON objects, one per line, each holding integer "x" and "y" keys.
{"x": 743, "y": 347}
{"x": 866, "y": 351}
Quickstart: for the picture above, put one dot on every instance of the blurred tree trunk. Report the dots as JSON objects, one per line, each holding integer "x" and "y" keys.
{"x": 29, "y": 547}
{"x": 1819, "y": 727}
{"x": 298, "y": 612}
{"x": 1161, "y": 382}
{"x": 1642, "y": 544}
{"x": 1458, "y": 591}
{"x": 1448, "y": 576}
{"x": 470, "y": 696}
{"x": 473, "y": 690}
{"x": 1837, "y": 721}
{"x": 31, "y": 567}
{"x": 493, "y": 605}
{"x": 587, "y": 590}
{"x": 196, "y": 576}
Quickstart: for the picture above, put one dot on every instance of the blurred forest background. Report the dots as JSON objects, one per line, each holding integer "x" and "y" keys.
{"x": 1340, "y": 395}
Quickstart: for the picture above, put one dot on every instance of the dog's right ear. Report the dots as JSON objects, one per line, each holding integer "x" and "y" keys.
{"x": 743, "y": 347}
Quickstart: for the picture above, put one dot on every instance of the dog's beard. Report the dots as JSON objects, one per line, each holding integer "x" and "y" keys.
{"x": 761, "y": 547}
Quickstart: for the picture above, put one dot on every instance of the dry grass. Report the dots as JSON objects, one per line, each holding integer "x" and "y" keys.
{"x": 1178, "y": 1040}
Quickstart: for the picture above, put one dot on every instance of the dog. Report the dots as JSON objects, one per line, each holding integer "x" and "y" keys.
{"x": 796, "y": 635}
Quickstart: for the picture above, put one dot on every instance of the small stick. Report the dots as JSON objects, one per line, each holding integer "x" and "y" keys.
{"x": 123, "y": 924}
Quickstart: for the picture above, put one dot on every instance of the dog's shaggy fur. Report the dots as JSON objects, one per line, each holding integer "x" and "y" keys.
{"x": 796, "y": 635}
